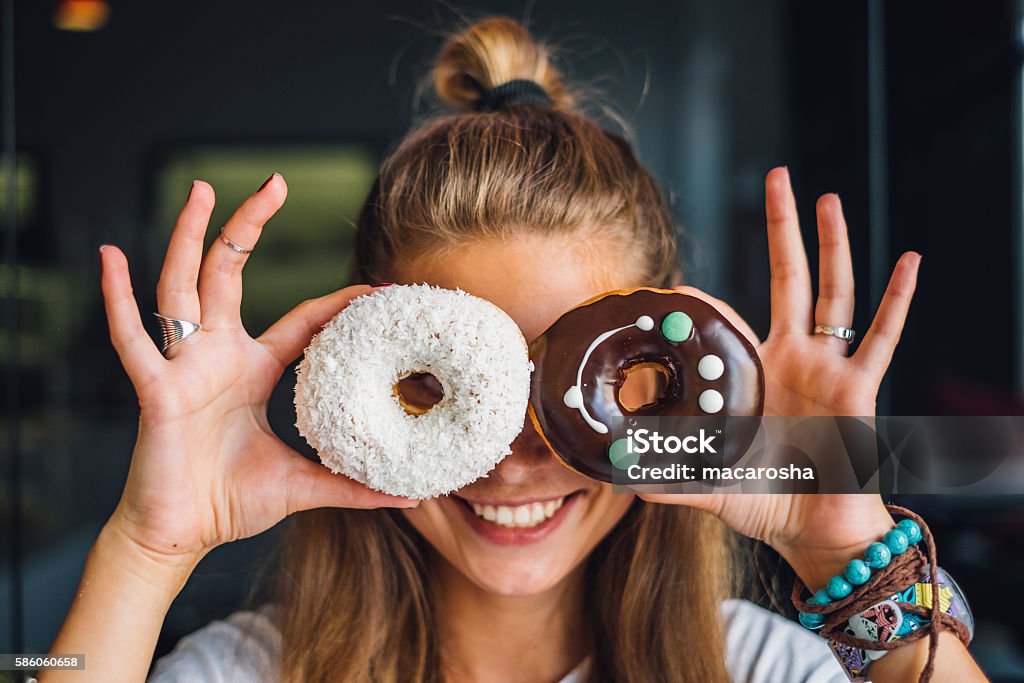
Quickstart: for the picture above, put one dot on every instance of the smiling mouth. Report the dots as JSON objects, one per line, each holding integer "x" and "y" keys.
{"x": 525, "y": 516}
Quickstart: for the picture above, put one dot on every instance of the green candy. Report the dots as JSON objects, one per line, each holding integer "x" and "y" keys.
{"x": 677, "y": 326}
{"x": 620, "y": 456}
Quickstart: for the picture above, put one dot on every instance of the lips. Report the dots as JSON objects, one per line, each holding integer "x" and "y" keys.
{"x": 511, "y": 522}
{"x": 527, "y": 515}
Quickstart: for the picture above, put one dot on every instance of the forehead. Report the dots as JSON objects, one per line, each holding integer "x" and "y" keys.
{"x": 533, "y": 279}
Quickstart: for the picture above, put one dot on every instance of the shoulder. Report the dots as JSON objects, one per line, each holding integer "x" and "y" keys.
{"x": 763, "y": 646}
{"x": 241, "y": 648}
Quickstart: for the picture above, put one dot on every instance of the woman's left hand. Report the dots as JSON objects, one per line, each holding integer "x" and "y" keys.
{"x": 812, "y": 374}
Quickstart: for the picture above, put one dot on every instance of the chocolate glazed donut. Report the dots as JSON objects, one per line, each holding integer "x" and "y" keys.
{"x": 582, "y": 360}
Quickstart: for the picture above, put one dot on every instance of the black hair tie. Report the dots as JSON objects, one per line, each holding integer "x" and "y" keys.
{"x": 518, "y": 91}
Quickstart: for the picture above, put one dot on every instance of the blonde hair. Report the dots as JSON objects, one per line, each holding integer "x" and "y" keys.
{"x": 353, "y": 588}
{"x": 525, "y": 170}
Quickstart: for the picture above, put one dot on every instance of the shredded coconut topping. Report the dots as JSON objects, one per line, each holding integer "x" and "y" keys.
{"x": 346, "y": 405}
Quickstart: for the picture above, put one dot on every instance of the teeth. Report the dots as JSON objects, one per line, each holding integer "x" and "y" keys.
{"x": 528, "y": 515}
{"x": 522, "y": 515}
{"x": 505, "y": 516}
{"x": 486, "y": 511}
{"x": 537, "y": 513}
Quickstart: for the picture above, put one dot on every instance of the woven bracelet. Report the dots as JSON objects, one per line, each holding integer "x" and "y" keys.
{"x": 885, "y": 600}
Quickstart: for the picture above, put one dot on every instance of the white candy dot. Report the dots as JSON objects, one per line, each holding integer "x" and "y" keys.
{"x": 710, "y": 401}
{"x": 645, "y": 323}
{"x": 573, "y": 397}
{"x": 710, "y": 367}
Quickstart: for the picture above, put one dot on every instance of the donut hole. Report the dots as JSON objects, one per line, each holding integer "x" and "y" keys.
{"x": 643, "y": 384}
{"x": 418, "y": 392}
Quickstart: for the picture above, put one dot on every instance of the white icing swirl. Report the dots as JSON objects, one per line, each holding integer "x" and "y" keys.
{"x": 573, "y": 397}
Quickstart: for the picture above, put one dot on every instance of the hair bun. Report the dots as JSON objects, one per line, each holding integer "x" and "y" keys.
{"x": 489, "y": 53}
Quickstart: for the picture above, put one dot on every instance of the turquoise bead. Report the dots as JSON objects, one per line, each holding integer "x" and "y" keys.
{"x": 911, "y": 529}
{"x": 897, "y": 541}
{"x": 857, "y": 572}
{"x": 877, "y": 556}
{"x": 812, "y": 621}
{"x": 821, "y": 597}
{"x": 838, "y": 588}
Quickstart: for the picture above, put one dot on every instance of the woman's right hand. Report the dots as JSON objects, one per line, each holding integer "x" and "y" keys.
{"x": 207, "y": 467}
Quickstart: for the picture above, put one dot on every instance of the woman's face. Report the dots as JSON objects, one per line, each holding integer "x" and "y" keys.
{"x": 491, "y": 530}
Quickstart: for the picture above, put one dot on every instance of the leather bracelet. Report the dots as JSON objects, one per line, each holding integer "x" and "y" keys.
{"x": 884, "y": 601}
{"x": 888, "y": 621}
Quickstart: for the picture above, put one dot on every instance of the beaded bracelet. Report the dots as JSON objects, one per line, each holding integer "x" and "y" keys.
{"x": 877, "y": 556}
{"x": 885, "y": 597}
{"x": 886, "y": 621}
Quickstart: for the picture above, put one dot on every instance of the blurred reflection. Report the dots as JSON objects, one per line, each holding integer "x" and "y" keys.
{"x": 304, "y": 251}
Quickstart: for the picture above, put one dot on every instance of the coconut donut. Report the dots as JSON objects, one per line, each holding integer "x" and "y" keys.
{"x": 582, "y": 360}
{"x": 349, "y": 408}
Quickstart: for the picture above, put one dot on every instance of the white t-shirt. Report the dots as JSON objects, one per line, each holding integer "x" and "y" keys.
{"x": 761, "y": 647}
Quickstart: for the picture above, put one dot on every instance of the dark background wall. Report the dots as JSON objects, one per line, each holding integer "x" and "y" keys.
{"x": 910, "y": 111}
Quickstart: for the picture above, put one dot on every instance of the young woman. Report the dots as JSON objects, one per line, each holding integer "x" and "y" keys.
{"x": 536, "y": 208}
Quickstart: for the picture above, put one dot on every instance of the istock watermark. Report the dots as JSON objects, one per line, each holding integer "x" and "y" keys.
{"x": 644, "y": 440}
{"x": 650, "y": 441}
{"x": 821, "y": 454}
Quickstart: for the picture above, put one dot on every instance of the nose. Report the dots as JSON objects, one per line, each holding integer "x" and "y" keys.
{"x": 530, "y": 458}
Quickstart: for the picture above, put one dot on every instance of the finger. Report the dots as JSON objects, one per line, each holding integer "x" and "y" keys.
{"x": 220, "y": 277}
{"x": 177, "y": 295}
{"x": 139, "y": 355}
{"x": 876, "y": 349}
{"x": 790, "y": 276}
{"x": 310, "y": 485}
{"x": 289, "y": 336}
{"x": 726, "y": 310}
{"x": 835, "y": 272}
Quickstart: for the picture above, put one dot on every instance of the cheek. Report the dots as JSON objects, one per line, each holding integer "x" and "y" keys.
{"x": 609, "y": 508}
{"x": 433, "y": 525}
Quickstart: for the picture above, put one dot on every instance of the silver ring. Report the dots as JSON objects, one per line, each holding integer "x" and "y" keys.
{"x": 174, "y": 330}
{"x": 844, "y": 333}
{"x": 239, "y": 249}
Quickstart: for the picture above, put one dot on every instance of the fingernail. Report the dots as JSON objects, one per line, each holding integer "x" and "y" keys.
{"x": 382, "y": 284}
{"x": 103, "y": 246}
{"x": 412, "y": 503}
{"x": 267, "y": 181}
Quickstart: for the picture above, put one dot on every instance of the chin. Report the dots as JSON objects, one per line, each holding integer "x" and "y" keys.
{"x": 525, "y": 577}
